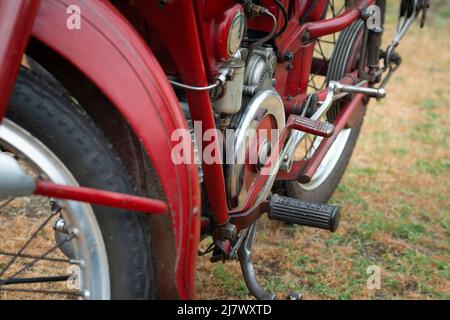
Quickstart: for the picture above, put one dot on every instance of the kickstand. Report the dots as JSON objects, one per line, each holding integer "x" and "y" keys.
{"x": 248, "y": 270}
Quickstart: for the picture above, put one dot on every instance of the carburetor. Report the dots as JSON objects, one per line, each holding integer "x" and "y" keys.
{"x": 258, "y": 76}
{"x": 227, "y": 99}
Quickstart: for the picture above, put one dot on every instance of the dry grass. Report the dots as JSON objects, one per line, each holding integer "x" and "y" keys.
{"x": 395, "y": 198}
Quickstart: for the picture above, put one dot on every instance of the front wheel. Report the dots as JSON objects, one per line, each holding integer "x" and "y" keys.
{"x": 67, "y": 249}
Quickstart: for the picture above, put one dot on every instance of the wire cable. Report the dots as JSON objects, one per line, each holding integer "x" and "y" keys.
{"x": 193, "y": 88}
{"x": 267, "y": 37}
{"x": 286, "y": 18}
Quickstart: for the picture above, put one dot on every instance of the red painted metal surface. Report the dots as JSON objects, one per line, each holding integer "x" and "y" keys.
{"x": 322, "y": 28}
{"x": 188, "y": 56}
{"x": 214, "y": 21}
{"x": 239, "y": 214}
{"x": 16, "y": 21}
{"x": 319, "y": 154}
{"x": 110, "y": 53}
{"x": 299, "y": 39}
{"x": 100, "y": 197}
{"x": 264, "y": 23}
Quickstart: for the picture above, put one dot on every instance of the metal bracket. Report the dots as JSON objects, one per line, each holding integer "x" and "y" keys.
{"x": 378, "y": 93}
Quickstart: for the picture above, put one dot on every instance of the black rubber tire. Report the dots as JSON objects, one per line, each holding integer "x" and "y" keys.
{"x": 54, "y": 118}
{"x": 338, "y": 68}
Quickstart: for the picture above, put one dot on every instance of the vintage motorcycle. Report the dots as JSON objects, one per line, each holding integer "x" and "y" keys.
{"x": 92, "y": 92}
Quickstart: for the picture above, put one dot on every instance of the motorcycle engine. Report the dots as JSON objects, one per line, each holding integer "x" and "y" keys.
{"x": 261, "y": 108}
{"x": 246, "y": 103}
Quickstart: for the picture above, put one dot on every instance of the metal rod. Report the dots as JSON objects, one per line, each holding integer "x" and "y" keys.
{"x": 379, "y": 93}
{"x": 36, "y": 280}
{"x": 100, "y": 197}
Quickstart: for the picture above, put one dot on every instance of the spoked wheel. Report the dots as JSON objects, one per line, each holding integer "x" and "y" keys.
{"x": 46, "y": 245}
{"x": 338, "y": 54}
{"x": 65, "y": 249}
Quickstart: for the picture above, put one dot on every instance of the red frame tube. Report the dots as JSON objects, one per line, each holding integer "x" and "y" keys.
{"x": 189, "y": 59}
{"x": 325, "y": 27}
{"x": 16, "y": 21}
{"x": 100, "y": 197}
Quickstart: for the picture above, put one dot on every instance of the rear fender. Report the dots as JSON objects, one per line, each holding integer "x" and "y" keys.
{"x": 108, "y": 51}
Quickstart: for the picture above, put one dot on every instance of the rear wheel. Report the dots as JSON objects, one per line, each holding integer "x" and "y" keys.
{"x": 109, "y": 249}
{"x": 344, "y": 59}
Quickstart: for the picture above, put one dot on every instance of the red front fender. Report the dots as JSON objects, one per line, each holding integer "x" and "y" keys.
{"x": 115, "y": 58}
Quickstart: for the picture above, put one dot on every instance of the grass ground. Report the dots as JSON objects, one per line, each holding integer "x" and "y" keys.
{"x": 395, "y": 197}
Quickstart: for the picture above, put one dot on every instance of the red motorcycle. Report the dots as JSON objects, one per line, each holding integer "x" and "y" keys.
{"x": 98, "y": 96}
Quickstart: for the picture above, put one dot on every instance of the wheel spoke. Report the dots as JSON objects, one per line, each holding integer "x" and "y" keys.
{"x": 323, "y": 54}
{"x": 312, "y": 76}
{"x": 341, "y": 9}
{"x": 333, "y": 12}
{"x": 331, "y": 4}
{"x": 8, "y": 201}
{"x": 29, "y": 265}
{"x": 317, "y": 51}
{"x": 327, "y": 41}
{"x": 65, "y": 293}
{"x": 314, "y": 83}
{"x": 27, "y": 256}
{"x": 36, "y": 280}
{"x": 33, "y": 236}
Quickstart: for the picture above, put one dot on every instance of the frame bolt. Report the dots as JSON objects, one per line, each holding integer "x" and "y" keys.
{"x": 230, "y": 231}
{"x": 288, "y": 56}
